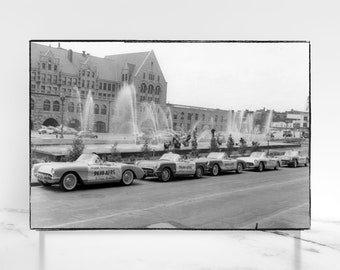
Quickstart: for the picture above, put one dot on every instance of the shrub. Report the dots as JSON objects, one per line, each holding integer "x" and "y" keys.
{"x": 255, "y": 147}
{"x": 243, "y": 146}
{"x": 115, "y": 154}
{"x": 76, "y": 150}
{"x": 146, "y": 149}
{"x": 230, "y": 145}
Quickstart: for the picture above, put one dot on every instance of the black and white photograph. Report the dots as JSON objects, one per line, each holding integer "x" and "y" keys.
{"x": 186, "y": 135}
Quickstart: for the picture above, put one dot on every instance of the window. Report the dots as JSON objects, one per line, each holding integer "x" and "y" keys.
{"x": 83, "y": 72}
{"x": 56, "y": 106}
{"x": 74, "y": 81}
{"x": 32, "y": 104}
{"x": 109, "y": 95}
{"x": 47, "y": 105}
{"x": 109, "y": 87}
{"x": 182, "y": 116}
{"x": 103, "y": 110}
{"x": 158, "y": 90}
{"x": 92, "y": 86}
{"x": 42, "y": 89}
{"x": 175, "y": 115}
{"x": 93, "y": 93}
{"x": 203, "y": 117}
{"x": 143, "y": 88}
{"x": 100, "y": 94}
{"x": 144, "y": 75}
{"x": 189, "y": 116}
{"x": 69, "y": 92}
{"x": 71, "y": 107}
{"x": 69, "y": 81}
{"x": 43, "y": 66}
{"x": 88, "y": 84}
{"x": 55, "y": 79}
{"x": 48, "y": 89}
{"x": 100, "y": 86}
{"x": 88, "y": 73}
{"x": 82, "y": 83}
{"x": 196, "y": 116}
{"x": 32, "y": 86}
{"x": 92, "y": 74}
{"x": 55, "y": 90}
{"x": 122, "y": 77}
{"x": 64, "y": 80}
{"x": 43, "y": 77}
{"x": 150, "y": 91}
{"x": 113, "y": 87}
{"x": 49, "y": 66}
{"x": 79, "y": 108}
{"x": 33, "y": 76}
{"x": 96, "y": 109}
{"x": 55, "y": 67}
{"x": 104, "y": 86}
{"x": 104, "y": 95}
{"x": 49, "y": 78}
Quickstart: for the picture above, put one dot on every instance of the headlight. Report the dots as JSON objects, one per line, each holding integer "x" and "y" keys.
{"x": 156, "y": 166}
{"x": 255, "y": 161}
{"x": 52, "y": 171}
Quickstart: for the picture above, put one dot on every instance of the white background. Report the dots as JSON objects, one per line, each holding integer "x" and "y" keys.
{"x": 21, "y": 21}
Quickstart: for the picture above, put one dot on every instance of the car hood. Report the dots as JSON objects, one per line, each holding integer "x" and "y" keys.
{"x": 248, "y": 159}
{"x": 47, "y": 168}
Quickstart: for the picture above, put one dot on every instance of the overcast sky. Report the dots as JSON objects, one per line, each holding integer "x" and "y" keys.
{"x": 234, "y": 76}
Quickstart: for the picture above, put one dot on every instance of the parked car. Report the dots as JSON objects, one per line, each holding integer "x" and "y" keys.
{"x": 261, "y": 161}
{"x": 42, "y": 130}
{"x": 294, "y": 158}
{"x": 172, "y": 165}
{"x": 86, "y": 134}
{"x": 220, "y": 162}
{"x": 87, "y": 169}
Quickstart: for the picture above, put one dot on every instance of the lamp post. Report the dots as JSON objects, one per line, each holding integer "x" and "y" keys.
{"x": 62, "y": 98}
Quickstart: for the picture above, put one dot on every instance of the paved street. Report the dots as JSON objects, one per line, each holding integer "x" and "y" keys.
{"x": 271, "y": 199}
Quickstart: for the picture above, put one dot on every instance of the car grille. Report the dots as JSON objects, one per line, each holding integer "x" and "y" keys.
{"x": 44, "y": 176}
{"x": 250, "y": 164}
{"x": 148, "y": 171}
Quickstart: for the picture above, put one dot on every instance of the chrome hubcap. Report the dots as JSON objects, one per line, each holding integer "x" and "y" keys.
{"x": 128, "y": 177}
{"x": 165, "y": 175}
{"x": 215, "y": 170}
{"x": 199, "y": 172}
{"x": 70, "y": 181}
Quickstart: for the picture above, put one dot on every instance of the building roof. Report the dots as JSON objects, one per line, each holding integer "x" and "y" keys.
{"x": 108, "y": 68}
{"x": 131, "y": 59}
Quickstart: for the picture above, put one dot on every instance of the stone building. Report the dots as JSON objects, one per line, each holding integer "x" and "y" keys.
{"x": 57, "y": 72}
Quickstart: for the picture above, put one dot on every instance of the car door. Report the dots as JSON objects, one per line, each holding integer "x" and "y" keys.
{"x": 185, "y": 168}
{"x": 228, "y": 164}
{"x": 103, "y": 172}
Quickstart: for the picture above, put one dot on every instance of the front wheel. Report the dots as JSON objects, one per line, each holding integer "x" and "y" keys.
{"x": 215, "y": 170}
{"x": 127, "y": 178}
{"x": 165, "y": 175}
{"x": 69, "y": 182}
{"x": 199, "y": 172}
{"x": 239, "y": 168}
{"x": 261, "y": 167}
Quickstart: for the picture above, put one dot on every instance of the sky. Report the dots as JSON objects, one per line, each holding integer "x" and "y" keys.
{"x": 231, "y": 76}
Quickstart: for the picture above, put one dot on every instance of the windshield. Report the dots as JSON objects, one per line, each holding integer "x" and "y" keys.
{"x": 89, "y": 158}
{"x": 258, "y": 154}
{"x": 291, "y": 153}
{"x": 170, "y": 157}
{"x": 216, "y": 155}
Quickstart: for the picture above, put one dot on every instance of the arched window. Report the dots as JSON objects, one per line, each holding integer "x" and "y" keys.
{"x": 56, "y": 106}
{"x": 32, "y": 104}
{"x": 96, "y": 109}
{"x": 103, "y": 110}
{"x": 150, "y": 91}
{"x": 158, "y": 90}
{"x": 143, "y": 88}
{"x": 47, "y": 105}
{"x": 80, "y": 107}
{"x": 71, "y": 107}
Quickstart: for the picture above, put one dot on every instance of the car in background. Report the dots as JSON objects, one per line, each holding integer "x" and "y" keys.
{"x": 294, "y": 158}
{"x": 220, "y": 162}
{"x": 261, "y": 161}
{"x": 172, "y": 165}
{"x": 87, "y": 134}
{"x": 47, "y": 130}
{"x": 87, "y": 169}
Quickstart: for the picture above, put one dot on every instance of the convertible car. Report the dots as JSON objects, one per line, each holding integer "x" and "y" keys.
{"x": 293, "y": 158}
{"x": 261, "y": 161}
{"x": 171, "y": 165}
{"x": 87, "y": 169}
{"x": 220, "y": 162}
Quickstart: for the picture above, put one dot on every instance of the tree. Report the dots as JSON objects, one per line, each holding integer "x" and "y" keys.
{"x": 76, "y": 150}
{"x": 243, "y": 146}
{"x": 115, "y": 154}
{"x": 230, "y": 145}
